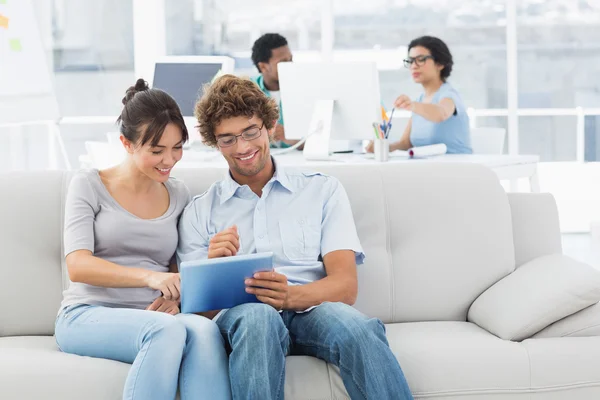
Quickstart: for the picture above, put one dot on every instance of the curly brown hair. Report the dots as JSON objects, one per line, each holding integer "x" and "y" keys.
{"x": 230, "y": 96}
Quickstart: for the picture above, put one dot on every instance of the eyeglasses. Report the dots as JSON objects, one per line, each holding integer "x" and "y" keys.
{"x": 230, "y": 140}
{"x": 419, "y": 60}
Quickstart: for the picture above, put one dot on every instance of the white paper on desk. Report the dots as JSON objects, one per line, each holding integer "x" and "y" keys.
{"x": 428, "y": 151}
{"x": 399, "y": 153}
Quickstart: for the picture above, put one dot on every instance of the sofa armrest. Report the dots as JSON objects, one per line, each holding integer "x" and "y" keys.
{"x": 536, "y": 229}
{"x": 536, "y": 295}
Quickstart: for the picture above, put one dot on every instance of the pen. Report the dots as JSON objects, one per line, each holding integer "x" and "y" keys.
{"x": 389, "y": 124}
{"x": 375, "y": 130}
{"x": 381, "y": 134}
{"x": 392, "y": 115}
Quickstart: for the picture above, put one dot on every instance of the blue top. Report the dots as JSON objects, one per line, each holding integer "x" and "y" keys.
{"x": 300, "y": 217}
{"x": 453, "y": 132}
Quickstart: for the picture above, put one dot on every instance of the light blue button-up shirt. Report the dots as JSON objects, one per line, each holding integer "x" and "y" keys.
{"x": 300, "y": 217}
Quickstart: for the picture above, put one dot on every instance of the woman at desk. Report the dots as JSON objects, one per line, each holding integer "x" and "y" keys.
{"x": 438, "y": 114}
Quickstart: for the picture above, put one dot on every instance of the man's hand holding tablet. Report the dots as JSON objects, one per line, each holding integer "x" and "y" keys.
{"x": 270, "y": 288}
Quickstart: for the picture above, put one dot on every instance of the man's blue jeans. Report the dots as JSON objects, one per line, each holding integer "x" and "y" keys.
{"x": 259, "y": 338}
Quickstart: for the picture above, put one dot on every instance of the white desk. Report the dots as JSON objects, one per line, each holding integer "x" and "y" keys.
{"x": 506, "y": 167}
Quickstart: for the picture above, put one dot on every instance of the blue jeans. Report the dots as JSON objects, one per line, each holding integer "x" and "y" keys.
{"x": 164, "y": 350}
{"x": 259, "y": 338}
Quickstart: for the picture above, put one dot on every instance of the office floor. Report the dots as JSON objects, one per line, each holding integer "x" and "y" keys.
{"x": 582, "y": 247}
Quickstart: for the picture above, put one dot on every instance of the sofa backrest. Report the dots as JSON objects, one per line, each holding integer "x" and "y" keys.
{"x": 435, "y": 237}
{"x": 30, "y": 246}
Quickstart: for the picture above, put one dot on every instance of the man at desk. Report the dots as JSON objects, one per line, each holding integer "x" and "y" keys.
{"x": 306, "y": 221}
{"x": 269, "y": 50}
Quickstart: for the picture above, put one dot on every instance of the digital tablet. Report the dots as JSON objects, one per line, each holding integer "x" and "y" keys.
{"x": 218, "y": 283}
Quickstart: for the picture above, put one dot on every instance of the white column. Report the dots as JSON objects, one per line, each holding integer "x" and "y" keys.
{"x": 43, "y": 12}
{"x": 327, "y": 30}
{"x": 511, "y": 76}
{"x": 580, "y": 135}
{"x": 18, "y": 151}
{"x": 472, "y": 117}
{"x": 53, "y": 135}
{"x": 303, "y": 34}
{"x": 149, "y": 36}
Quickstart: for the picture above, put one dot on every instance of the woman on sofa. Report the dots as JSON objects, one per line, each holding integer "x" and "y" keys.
{"x": 120, "y": 237}
{"x": 438, "y": 114}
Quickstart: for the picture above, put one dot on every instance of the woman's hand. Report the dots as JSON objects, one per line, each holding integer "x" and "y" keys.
{"x": 168, "y": 283}
{"x": 163, "y": 305}
{"x": 403, "y": 102}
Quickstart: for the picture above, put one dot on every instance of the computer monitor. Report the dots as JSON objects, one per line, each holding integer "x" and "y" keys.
{"x": 353, "y": 88}
{"x": 183, "y": 77}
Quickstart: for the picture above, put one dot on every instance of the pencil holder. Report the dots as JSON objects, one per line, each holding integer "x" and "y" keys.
{"x": 381, "y": 148}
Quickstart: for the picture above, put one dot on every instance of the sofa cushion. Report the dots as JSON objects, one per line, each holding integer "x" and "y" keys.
{"x": 583, "y": 323}
{"x": 442, "y": 359}
{"x": 308, "y": 378}
{"x": 537, "y": 294}
{"x": 32, "y": 367}
{"x": 461, "y": 361}
{"x": 565, "y": 366}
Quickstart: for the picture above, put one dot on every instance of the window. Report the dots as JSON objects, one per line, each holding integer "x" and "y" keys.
{"x": 559, "y": 51}
{"x": 473, "y": 30}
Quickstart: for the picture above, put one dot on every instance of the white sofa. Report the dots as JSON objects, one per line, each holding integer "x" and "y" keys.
{"x": 436, "y": 237}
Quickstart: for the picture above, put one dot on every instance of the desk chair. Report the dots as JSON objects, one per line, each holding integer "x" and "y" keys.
{"x": 487, "y": 140}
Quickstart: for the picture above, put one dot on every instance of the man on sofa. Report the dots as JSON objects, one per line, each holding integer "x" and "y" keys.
{"x": 306, "y": 221}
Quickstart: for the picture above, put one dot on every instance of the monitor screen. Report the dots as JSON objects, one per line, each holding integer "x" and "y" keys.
{"x": 184, "y": 81}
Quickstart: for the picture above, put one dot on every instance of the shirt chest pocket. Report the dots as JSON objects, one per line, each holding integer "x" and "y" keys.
{"x": 301, "y": 238}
